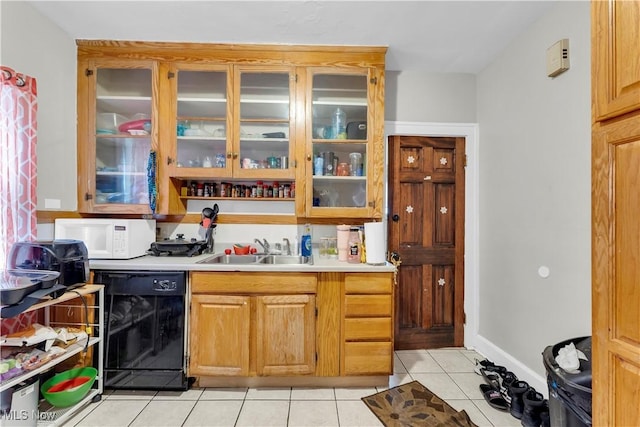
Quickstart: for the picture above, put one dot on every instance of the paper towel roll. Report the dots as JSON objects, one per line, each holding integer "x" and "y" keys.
{"x": 374, "y": 242}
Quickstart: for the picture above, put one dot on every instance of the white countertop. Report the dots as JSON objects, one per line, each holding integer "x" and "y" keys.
{"x": 179, "y": 263}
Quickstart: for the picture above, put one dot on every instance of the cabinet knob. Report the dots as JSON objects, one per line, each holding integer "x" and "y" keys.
{"x": 169, "y": 160}
{"x": 309, "y": 157}
{"x": 235, "y": 155}
{"x": 395, "y": 217}
{"x": 229, "y": 155}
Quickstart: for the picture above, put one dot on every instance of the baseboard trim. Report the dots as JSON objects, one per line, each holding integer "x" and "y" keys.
{"x": 293, "y": 381}
{"x": 500, "y": 357}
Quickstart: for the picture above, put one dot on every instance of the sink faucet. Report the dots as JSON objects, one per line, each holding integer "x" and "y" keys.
{"x": 287, "y": 246}
{"x": 264, "y": 244}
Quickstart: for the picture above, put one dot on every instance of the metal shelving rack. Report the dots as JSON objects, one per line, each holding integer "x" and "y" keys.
{"x": 53, "y": 416}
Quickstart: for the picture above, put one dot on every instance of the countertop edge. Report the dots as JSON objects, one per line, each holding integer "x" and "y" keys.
{"x": 166, "y": 263}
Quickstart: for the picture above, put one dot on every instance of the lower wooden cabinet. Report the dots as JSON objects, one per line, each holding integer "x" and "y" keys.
{"x": 249, "y": 333}
{"x": 367, "y": 347}
{"x": 285, "y": 331}
{"x": 295, "y": 324}
{"x": 219, "y": 335}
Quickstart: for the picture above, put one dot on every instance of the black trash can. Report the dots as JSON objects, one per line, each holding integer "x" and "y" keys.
{"x": 569, "y": 394}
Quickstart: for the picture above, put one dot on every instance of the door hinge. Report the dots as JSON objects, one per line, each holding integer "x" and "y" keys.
{"x": 88, "y": 196}
{"x": 316, "y": 357}
{"x": 316, "y": 311}
{"x": 374, "y": 80}
{"x": 464, "y": 318}
{"x": 465, "y": 160}
{"x": 295, "y": 78}
{"x": 88, "y": 72}
{"x": 170, "y": 74}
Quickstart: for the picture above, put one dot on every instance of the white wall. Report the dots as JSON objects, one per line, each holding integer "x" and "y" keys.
{"x": 31, "y": 44}
{"x": 535, "y": 192}
{"x": 415, "y": 96}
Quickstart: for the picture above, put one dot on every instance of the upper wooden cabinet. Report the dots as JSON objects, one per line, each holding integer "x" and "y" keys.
{"x": 234, "y": 113}
{"x": 345, "y": 152}
{"x": 229, "y": 122}
{"x": 113, "y": 96}
{"x": 615, "y": 62}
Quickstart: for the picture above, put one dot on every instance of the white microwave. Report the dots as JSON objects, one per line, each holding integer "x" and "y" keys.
{"x": 107, "y": 238}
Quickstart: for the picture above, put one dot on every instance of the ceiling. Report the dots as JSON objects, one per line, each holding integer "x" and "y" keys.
{"x": 433, "y": 36}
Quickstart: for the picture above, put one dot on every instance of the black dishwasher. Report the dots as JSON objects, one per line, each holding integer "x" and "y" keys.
{"x": 145, "y": 329}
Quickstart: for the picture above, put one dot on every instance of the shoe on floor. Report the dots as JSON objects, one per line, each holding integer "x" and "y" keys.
{"x": 491, "y": 378}
{"x": 482, "y": 364}
{"x": 507, "y": 379}
{"x": 494, "y": 398}
{"x": 488, "y": 365}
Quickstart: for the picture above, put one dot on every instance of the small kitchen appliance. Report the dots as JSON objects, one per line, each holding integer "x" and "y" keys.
{"x": 109, "y": 238}
{"x": 66, "y": 256}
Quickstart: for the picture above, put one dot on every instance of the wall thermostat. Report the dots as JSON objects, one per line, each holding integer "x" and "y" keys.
{"x": 558, "y": 58}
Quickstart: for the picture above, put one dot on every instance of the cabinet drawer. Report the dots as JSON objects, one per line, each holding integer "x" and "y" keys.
{"x": 376, "y": 328}
{"x": 253, "y": 283}
{"x": 368, "y": 283}
{"x": 368, "y": 358}
{"x": 367, "y": 305}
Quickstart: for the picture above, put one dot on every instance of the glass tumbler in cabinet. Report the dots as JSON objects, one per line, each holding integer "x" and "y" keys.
{"x": 201, "y": 123}
{"x": 122, "y": 138}
{"x": 340, "y": 114}
{"x": 265, "y": 124}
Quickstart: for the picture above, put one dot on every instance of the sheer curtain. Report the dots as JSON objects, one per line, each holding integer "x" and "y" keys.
{"x": 18, "y": 106}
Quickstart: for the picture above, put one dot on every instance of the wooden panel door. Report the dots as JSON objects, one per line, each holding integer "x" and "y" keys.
{"x": 616, "y": 45}
{"x": 615, "y": 32}
{"x": 219, "y": 335}
{"x": 285, "y": 334}
{"x": 616, "y": 271}
{"x": 426, "y": 228}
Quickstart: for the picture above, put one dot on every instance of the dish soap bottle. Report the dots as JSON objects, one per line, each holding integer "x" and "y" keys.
{"x": 305, "y": 243}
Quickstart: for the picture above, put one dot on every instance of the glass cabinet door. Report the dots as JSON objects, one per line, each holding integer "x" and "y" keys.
{"x": 201, "y": 123}
{"x": 262, "y": 145}
{"x": 123, "y": 139}
{"x": 340, "y": 115}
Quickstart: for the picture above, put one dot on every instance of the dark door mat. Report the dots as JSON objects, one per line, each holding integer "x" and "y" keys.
{"x": 413, "y": 404}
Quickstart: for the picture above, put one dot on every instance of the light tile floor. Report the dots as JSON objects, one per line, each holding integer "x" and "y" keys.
{"x": 447, "y": 372}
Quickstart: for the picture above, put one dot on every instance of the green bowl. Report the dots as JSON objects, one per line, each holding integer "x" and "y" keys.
{"x": 65, "y": 398}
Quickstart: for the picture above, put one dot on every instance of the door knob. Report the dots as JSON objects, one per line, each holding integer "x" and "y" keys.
{"x": 395, "y": 217}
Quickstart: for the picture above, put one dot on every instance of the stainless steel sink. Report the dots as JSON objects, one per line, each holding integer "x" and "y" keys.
{"x": 285, "y": 259}
{"x": 257, "y": 259}
{"x": 232, "y": 259}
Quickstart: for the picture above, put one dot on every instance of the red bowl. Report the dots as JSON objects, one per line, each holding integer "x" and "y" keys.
{"x": 241, "y": 250}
